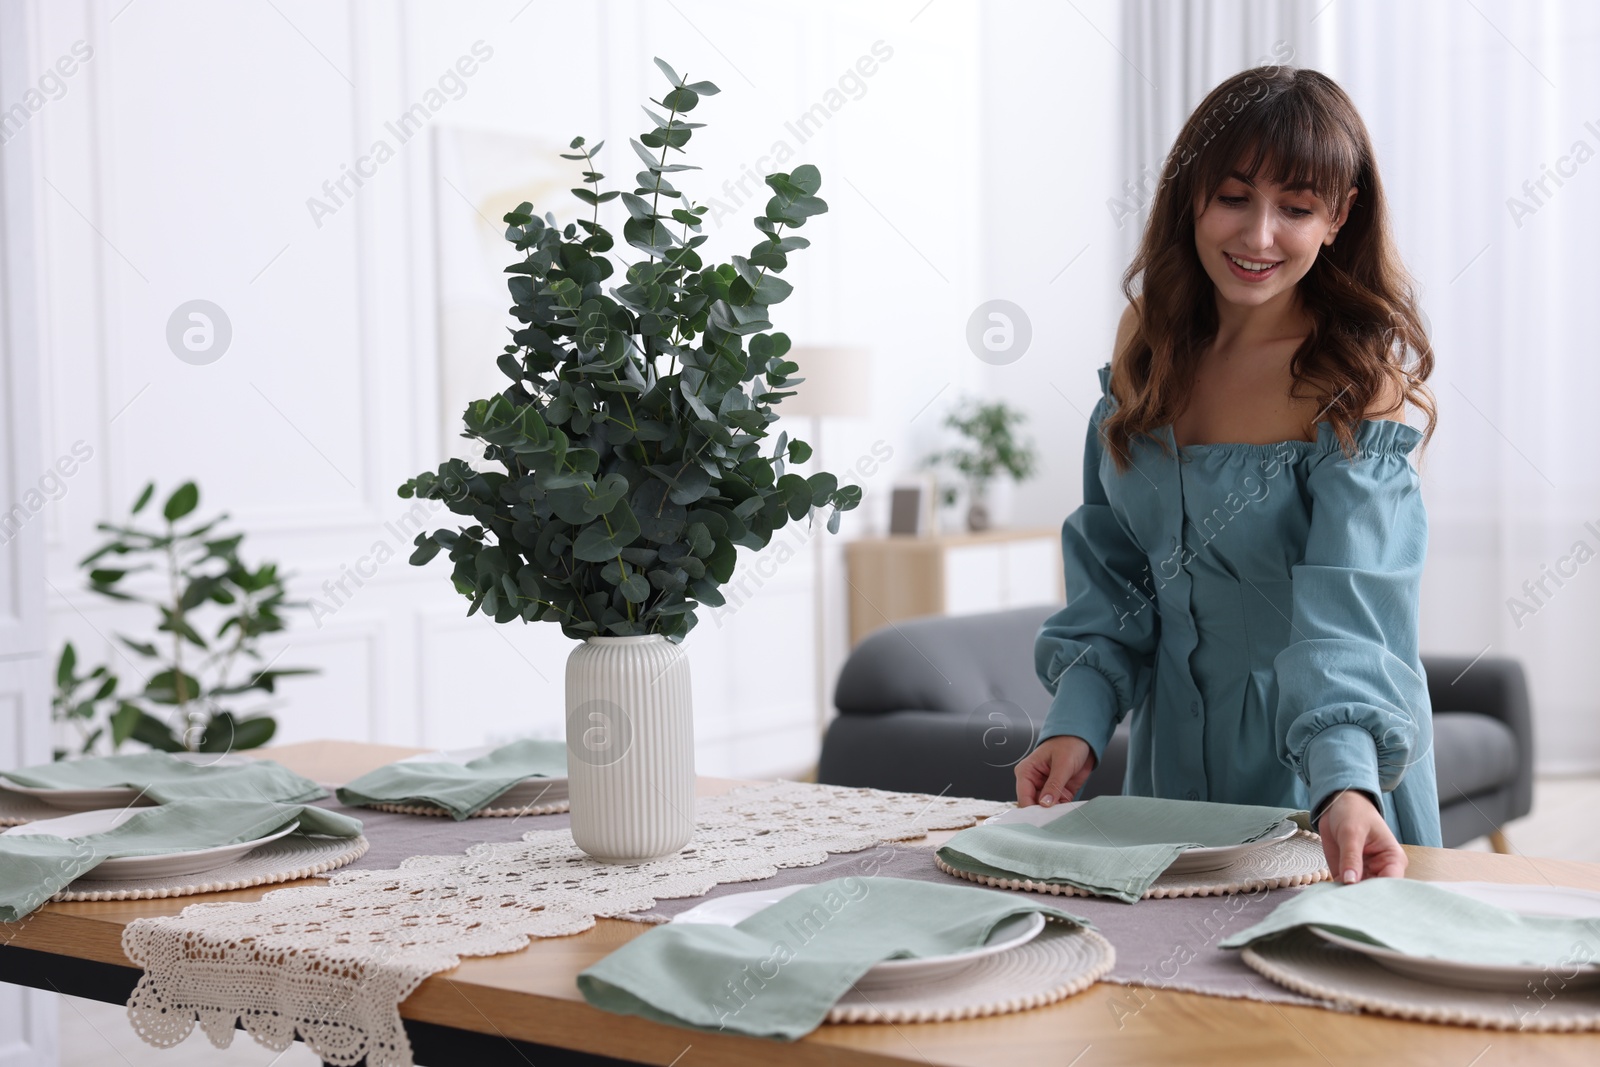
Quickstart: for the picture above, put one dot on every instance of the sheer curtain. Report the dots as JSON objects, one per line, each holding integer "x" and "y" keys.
{"x": 1486, "y": 122}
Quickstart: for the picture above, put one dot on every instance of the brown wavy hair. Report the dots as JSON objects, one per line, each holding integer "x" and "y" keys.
{"x": 1299, "y": 125}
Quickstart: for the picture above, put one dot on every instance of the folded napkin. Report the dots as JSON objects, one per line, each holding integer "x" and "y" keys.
{"x": 1115, "y": 846}
{"x": 778, "y": 972}
{"x": 1421, "y": 919}
{"x": 163, "y": 777}
{"x": 34, "y": 867}
{"x": 462, "y": 789}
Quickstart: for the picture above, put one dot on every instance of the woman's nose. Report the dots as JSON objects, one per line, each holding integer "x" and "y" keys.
{"x": 1257, "y": 236}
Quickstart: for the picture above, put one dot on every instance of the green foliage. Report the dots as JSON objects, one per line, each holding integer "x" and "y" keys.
{"x": 188, "y": 666}
{"x": 629, "y": 442}
{"x": 991, "y": 446}
{"x": 84, "y": 700}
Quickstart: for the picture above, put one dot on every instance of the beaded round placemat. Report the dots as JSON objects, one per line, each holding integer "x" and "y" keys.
{"x": 1063, "y": 960}
{"x": 555, "y": 807}
{"x": 19, "y": 808}
{"x": 284, "y": 860}
{"x": 1300, "y": 960}
{"x": 1298, "y": 860}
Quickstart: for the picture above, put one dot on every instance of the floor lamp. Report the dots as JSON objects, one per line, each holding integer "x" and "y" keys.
{"x": 836, "y": 385}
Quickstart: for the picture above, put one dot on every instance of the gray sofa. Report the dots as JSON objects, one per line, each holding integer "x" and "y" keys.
{"x": 951, "y": 703}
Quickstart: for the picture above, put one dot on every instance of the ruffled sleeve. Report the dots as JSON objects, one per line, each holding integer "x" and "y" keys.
{"x": 1353, "y": 709}
{"x": 1096, "y": 655}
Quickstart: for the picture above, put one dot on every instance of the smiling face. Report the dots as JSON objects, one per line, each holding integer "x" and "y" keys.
{"x": 1257, "y": 239}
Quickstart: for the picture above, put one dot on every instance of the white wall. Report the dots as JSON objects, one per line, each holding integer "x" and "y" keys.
{"x": 179, "y": 163}
{"x": 28, "y": 1031}
{"x": 1466, "y": 106}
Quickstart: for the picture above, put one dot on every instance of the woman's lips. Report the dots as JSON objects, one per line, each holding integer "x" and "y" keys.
{"x": 1251, "y": 275}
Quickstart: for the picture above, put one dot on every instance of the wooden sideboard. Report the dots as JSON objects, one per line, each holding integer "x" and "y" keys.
{"x": 904, "y": 576}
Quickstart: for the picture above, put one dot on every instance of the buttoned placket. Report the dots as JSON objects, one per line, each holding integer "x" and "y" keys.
{"x": 1189, "y": 747}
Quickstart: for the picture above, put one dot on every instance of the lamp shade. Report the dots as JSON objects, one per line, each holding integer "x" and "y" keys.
{"x": 837, "y": 381}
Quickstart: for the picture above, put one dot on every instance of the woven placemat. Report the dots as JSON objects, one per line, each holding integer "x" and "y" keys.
{"x": 1063, "y": 960}
{"x": 19, "y": 808}
{"x": 555, "y": 807}
{"x": 1297, "y": 860}
{"x": 283, "y": 860}
{"x": 1300, "y": 960}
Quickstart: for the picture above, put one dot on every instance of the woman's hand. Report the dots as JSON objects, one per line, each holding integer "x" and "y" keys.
{"x": 1356, "y": 840}
{"x": 1054, "y": 771}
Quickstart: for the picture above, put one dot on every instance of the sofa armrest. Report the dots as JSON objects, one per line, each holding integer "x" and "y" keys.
{"x": 1495, "y": 686}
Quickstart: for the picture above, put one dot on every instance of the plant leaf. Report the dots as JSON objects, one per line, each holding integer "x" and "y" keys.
{"x": 182, "y": 501}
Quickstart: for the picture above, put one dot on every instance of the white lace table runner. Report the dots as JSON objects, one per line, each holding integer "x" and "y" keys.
{"x": 332, "y": 963}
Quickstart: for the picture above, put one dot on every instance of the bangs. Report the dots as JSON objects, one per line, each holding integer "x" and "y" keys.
{"x": 1282, "y": 138}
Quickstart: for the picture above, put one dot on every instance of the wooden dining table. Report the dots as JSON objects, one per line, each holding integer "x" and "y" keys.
{"x": 524, "y": 1007}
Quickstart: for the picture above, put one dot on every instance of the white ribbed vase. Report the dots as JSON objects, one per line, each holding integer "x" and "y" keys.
{"x": 630, "y": 748}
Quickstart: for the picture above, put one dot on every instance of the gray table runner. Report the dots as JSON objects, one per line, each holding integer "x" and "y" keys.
{"x": 1167, "y": 944}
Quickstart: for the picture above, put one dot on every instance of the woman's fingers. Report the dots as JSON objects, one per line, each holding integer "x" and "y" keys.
{"x": 1358, "y": 843}
{"x": 1385, "y": 857}
{"x": 1351, "y": 838}
{"x": 1081, "y": 776}
{"x": 1031, "y": 773}
{"x": 1055, "y": 787}
{"x": 1054, "y": 771}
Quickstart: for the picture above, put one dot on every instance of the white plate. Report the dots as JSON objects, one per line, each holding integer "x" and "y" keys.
{"x": 1552, "y": 901}
{"x": 527, "y": 793}
{"x": 117, "y": 796}
{"x": 167, "y": 865}
{"x": 1190, "y": 861}
{"x": 731, "y": 909}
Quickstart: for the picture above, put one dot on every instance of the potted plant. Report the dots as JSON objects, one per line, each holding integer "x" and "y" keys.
{"x": 991, "y": 449}
{"x": 191, "y": 673}
{"x": 628, "y": 459}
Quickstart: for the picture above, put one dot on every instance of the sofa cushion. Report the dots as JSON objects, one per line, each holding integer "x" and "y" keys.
{"x": 924, "y": 752}
{"x": 952, "y": 664}
{"x": 1472, "y": 754}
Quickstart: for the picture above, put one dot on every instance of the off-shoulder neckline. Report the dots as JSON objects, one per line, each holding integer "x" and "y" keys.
{"x": 1326, "y": 436}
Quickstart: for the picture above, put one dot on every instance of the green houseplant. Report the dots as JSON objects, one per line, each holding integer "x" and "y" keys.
{"x": 192, "y": 680}
{"x": 628, "y": 453}
{"x": 990, "y": 448}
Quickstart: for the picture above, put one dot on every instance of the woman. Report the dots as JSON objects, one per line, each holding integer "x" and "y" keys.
{"x": 1243, "y": 574}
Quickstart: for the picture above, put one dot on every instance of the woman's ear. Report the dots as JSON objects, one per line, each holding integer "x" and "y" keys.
{"x": 1344, "y": 213}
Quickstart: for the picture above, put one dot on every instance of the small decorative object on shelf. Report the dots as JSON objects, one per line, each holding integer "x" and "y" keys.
{"x": 628, "y": 452}
{"x": 911, "y": 511}
{"x": 991, "y": 450}
{"x": 191, "y": 679}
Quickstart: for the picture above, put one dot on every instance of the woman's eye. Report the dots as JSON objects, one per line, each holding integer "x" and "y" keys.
{"x": 1293, "y": 212}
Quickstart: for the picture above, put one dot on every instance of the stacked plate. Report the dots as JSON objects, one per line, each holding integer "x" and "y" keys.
{"x": 889, "y": 974}
{"x": 116, "y": 797}
{"x": 1551, "y": 901}
{"x": 166, "y": 865}
{"x": 528, "y": 793}
{"x": 1196, "y": 860}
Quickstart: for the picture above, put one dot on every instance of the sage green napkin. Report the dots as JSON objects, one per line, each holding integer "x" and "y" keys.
{"x": 1114, "y": 846}
{"x": 459, "y": 788}
{"x": 33, "y": 867}
{"x": 778, "y": 972}
{"x": 1422, "y": 919}
{"x": 163, "y": 777}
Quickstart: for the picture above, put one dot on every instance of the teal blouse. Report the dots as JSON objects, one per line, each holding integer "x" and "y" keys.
{"x": 1252, "y": 609}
